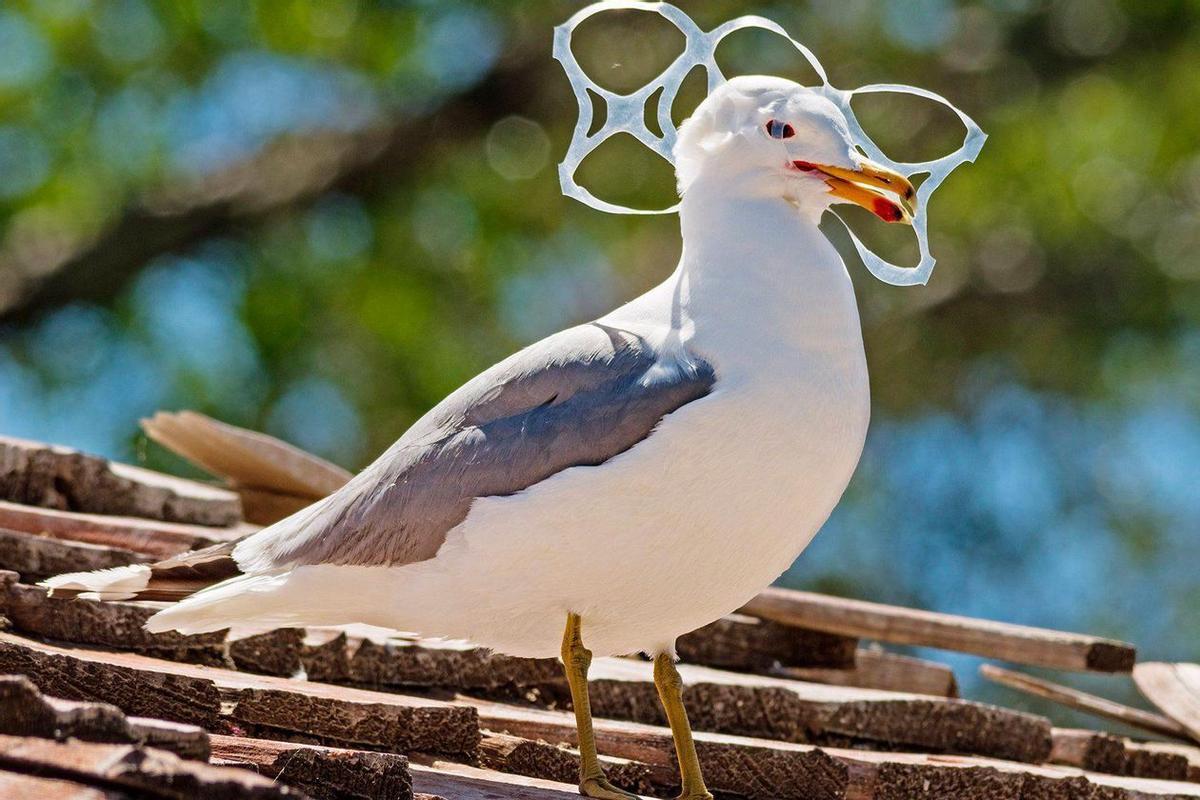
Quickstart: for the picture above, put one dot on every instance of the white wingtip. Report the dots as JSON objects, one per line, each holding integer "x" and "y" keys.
{"x": 117, "y": 583}
{"x": 184, "y": 621}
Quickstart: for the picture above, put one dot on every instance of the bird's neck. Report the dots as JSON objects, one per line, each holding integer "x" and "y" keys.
{"x": 760, "y": 263}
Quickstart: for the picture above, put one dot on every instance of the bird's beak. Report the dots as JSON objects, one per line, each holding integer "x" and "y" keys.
{"x": 885, "y": 193}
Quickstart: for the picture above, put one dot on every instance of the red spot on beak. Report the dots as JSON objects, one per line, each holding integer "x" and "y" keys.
{"x": 887, "y": 210}
{"x": 804, "y": 166}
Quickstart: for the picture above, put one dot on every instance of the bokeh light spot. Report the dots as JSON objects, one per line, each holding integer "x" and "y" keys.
{"x": 1089, "y": 27}
{"x": 444, "y": 222}
{"x": 460, "y": 46}
{"x": 339, "y": 229}
{"x": 128, "y": 31}
{"x": 919, "y": 24}
{"x": 315, "y": 415}
{"x": 517, "y": 148}
{"x": 24, "y": 56}
{"x": 24, "y": 161}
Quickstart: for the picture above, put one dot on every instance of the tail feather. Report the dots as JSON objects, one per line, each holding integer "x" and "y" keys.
{"x": 171, "y": 580}
{"x": 232, "y": 603}
{"x": 117, "y": 583}
{"x": 261, "y": 468}
{"x": 321, "y": 595}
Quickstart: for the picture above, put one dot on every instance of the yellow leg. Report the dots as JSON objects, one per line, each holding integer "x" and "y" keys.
{"x": 670, "y": 691}
{"x": 576, "y": 659}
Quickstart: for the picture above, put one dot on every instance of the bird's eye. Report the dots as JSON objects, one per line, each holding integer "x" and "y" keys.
{"x": 780, "y": 130}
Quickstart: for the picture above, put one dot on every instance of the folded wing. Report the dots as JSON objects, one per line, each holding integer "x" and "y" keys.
{"x": 577, "y": 398}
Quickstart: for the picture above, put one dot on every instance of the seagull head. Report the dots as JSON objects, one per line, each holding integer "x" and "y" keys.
{"x": 759, "y": 135}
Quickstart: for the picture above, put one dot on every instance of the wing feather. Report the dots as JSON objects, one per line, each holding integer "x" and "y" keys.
{"x": 577, "y": 398}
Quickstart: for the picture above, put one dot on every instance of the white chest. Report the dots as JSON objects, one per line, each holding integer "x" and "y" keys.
{"x": 724, "y": 494}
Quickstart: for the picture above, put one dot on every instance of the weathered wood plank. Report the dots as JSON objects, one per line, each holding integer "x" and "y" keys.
{"x": 794, "y": 711}
{"x": 25, "y": 711}
{"x": 109, "y": 624}
{"x": 1083, "y": 701}
{"x": 219, "y": 698}
{"x": 325, "y": 655}
{"x": 274, "y": 652}
{"x": 1144, "y": 762}
{"x": 879, "y": 669}
{"x": 747, "y": 644}
{"x": 753, "y": 768}
{"x": 1096, "y": 751}
{"x": 264, "y": 507}
{"x": 148, "y": 537}
{"x": 8, "y": 579}
{"x": 451, "y": 781}
{"x": 324, "y": 773}
{"x": 373, "y": 719}
{"x": 81, "y": 675}
{"x": 15, "y": 786}
{"x": 432, "y": 664}
{"x": 1175, "y": 689}
{"x": 245, "y": 458}
{"x": 546, "y": 761}
{"x": 56, "y": 477}
{"x": 1188, "y": 753}
{"x": 918, "y": 776}
{"x": 1016, "y": 643}
{"x": 759, "y": 768}
{"x": 121, "y": 625}
{"x": 721, "y": 701}
{"x": 142, "y": 771}
{"x": 36, "y": 557}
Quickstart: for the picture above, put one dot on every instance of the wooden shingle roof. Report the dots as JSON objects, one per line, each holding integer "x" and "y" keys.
{"x": 791, "y": 698}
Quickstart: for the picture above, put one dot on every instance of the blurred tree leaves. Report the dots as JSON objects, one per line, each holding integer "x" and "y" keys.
{"x": 1054, "y": 354}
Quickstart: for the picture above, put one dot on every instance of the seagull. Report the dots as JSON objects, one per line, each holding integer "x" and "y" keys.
{"x": 619, "y": 483}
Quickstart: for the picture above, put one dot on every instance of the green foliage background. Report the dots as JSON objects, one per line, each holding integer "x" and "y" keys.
{"x": 1037, "y": 406}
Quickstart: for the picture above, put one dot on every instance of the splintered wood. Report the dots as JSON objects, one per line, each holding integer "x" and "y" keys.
{"x": 147, "y": 537}
{"x": 144, "y": 772}
{"x": 317, "y": 770}
{"x": 25, "y": 711}
{"x": 1017, "y": 643}
{"x": 1103, "y": 752}
{"x": 224, "y": 699}
{"x": 725, "y": 702}
{"x": 273, "y": 478}
{"x": 877, "y": 669}
{"x": 790, "y": 698}
{"x": 36, "y": 556}
{"x": 1175, "y": 688}
{"x": 1083, "y": 701}
{"x": 793, "y": 711}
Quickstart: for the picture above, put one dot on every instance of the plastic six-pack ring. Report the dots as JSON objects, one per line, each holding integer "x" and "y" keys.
{"x": 626, "y": 114}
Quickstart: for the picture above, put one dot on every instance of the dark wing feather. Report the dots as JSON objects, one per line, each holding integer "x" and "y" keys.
{"x": 577, "y": 398}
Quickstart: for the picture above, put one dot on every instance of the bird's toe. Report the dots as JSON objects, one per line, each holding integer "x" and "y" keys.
{"x": 602, "y": 789}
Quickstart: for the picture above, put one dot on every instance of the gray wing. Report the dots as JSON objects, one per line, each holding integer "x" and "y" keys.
{"x": 576, "y": 398}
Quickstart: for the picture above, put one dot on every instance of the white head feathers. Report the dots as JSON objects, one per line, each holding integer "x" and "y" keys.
{"x": 734, "y": 113}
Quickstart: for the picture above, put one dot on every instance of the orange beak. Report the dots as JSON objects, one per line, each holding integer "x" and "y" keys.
{"x": 886, "y": 194}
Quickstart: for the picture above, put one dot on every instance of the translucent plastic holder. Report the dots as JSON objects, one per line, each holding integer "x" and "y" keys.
{"x": 626, "y": 114}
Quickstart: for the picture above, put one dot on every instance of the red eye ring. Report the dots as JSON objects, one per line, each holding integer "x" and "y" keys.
{"x": 780, "y": 130}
